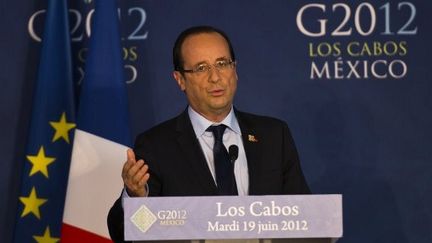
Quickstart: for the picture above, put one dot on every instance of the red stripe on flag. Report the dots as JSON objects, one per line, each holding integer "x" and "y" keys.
{"x": 71, "y": 234}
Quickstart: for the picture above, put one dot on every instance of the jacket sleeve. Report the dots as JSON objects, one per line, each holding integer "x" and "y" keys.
{"x": 115, "y": 221}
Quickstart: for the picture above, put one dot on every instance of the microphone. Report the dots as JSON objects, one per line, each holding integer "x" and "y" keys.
{"x": 233, "y": 153}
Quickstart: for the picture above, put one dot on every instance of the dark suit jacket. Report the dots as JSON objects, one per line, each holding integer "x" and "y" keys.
{"x": 178, "y": 166}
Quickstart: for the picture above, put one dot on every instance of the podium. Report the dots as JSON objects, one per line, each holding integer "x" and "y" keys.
{"x": 238, "y": 219}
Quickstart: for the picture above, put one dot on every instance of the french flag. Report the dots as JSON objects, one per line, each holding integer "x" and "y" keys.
{"x": 102, "y": 135}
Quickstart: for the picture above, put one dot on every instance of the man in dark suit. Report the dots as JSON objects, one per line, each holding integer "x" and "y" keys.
{"x": 184, "y": 156}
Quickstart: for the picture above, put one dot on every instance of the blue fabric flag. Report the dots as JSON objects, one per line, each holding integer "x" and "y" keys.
{"x": 103, "y": 108}
{"x": 49, "y": 146}
{"x": 102, "y": 134}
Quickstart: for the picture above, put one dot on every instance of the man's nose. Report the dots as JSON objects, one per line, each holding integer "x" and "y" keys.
{"x": 214, "y": 74}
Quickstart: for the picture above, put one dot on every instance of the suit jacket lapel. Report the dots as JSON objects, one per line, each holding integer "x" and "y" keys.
{"x": 195, "y": 158}
{"x": 252, "y": 149}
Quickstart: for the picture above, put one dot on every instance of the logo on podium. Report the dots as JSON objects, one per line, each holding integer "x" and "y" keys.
{"x": 143, "y": 218}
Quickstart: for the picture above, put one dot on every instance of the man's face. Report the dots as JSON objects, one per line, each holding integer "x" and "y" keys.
{"x": 209, "y": 93}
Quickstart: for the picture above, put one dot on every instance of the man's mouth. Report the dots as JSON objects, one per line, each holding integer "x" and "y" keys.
{"x": 217, "y": 92}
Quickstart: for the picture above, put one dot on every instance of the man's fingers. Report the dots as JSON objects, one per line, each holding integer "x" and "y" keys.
{"x": 144, "y": 180}
{"x": 135, "y": 174}
{"x": 127, "y": 167}
{"x": 130, "y": 155}
{"x": 130, "y": 161}
{"x": 132, "y": 170}
{"x": 136, "y": 185}
{"x": 140, "y": 174}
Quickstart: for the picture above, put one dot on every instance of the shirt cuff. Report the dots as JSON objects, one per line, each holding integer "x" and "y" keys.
{"x": 126, "y": 195}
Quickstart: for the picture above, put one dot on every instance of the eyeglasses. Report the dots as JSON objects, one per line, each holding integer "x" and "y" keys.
{"x": 220, "y": 65}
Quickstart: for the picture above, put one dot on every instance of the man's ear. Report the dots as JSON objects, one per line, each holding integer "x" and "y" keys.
{"x": 180, "y": 80}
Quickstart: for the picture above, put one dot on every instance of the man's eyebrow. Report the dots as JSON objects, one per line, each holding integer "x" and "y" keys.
{"x": 205, "y": 62}
{"x": 222, "y": 58}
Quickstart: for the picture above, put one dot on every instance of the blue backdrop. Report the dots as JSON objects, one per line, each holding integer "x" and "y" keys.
{"x": 350, "y": 78}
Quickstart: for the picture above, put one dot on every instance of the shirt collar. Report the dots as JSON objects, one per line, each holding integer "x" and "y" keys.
{"x": 200, "y": 123}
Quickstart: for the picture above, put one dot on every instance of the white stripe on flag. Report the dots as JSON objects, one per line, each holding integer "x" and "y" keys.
{"x": 94, "y": 181}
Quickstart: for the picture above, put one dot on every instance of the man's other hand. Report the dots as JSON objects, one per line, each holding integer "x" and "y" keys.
{"x": 135, "y": 175}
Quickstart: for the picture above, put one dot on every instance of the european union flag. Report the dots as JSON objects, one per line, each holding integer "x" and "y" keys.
{"x": 46, "y": 164}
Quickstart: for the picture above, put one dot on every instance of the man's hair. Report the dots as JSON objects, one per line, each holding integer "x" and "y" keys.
{"x": 195, "y": 30}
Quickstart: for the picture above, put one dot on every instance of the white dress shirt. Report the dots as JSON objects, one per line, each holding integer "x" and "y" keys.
{"x": 232, "y": 136}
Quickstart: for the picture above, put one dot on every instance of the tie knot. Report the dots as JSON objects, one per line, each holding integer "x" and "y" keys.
{"x": 217, "y": 131}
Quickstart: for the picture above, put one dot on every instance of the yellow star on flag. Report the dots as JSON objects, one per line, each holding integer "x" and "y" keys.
{"x": 40, "y": 162}
{"x": 46, "y": 238}
{"x": 62, "y": 128}
{"x": 32, "y": 204}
